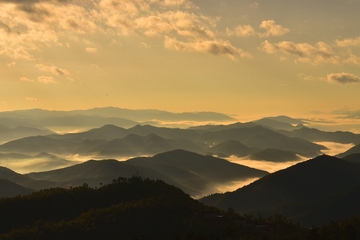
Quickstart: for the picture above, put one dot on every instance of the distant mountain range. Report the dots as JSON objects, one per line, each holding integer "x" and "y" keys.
{"x": 198, "y": 175}
{"x": 313, "y": 192}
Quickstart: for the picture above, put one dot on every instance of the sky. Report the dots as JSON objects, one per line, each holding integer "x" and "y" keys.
{"x": 239, "y": 57}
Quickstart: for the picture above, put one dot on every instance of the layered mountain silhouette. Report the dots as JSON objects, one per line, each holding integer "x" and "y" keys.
{"x": 231, "y": 147}
{"x": 315, "y": 135}
{"x": 111, "y": 141}
{"x": 101, "y": 116}
{"x": 195, "y": 174}
{"x": 11, "y": 133}
{"x": 353, "y": 150}
{"x": 274, "y": 155}
{"x": 11, "y": 189}
{"x": 308, "y": 192}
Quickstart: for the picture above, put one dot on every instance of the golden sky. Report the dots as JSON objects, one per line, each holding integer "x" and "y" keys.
{"x": 236, "y": 57}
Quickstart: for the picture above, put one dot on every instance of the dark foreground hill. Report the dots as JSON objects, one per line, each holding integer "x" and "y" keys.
{"x": 128, "y": 209}
{"x": 313, "y": 192}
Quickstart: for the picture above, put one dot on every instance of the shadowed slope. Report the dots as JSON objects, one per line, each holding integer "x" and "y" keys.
{"x": 295, "y": 190}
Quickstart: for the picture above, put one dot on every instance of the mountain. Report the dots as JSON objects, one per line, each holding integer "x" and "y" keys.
{"x": 12, "y": 133}
{"x": 216, "y": 128}
{"x": 262, "y": 138}
{"x": 133, "y": 208}
{"x": 315, "y": 135}
{"x": 135, "y": 145}
{"x": 297, "y": 191}
{"x": 274, "y": 155}
{"x": 231, "y": 147}
{"x": 284, "y": 119}
{"x": 109, "y": 115}
{"x": 197, "y": 171}
{"x": 22, "y": 180}
{"x": 274, "y": 124}
{"x": 355, "y": 157}
{"x": 37, "y": 144}
{"x": 196, "y": 174}
{"x": 11, "y": 189}
{"x": 353, "y": 150}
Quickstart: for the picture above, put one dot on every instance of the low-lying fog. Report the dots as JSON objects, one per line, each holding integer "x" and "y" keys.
{"x": 49, "y": 162}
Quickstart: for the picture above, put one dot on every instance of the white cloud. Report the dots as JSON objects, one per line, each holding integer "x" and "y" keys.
{"x": 272, "y": 29}
{"x": 342, "y": 78}
{"x": 46, "y": 80}
{"x": 348, "y": 42}
{"x": 303, "y": 52}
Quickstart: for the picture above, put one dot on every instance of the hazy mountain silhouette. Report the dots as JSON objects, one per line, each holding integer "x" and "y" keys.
{"x": 195, "y": 174}
{"x": 355, "y": 157}
{"x": 109, "y": 115}
{"x": 296, "y": 191}
{"x": 315, "y": 135}
{"x": 274, "y": 155}
{"x": 274, "y": 124}
{"x": 216, "y": 128}
{"x": 23, "y": 180}
{"x": 11, "y": 189}
{"x": 37, "y": 144}
{"x": 231, "y": 147}
{"x": 135, "y": 145}
{"x": 353, "y": 150}
{"x": 195, "y": 170}
{"x": 285, "y": 119}
{"x": 12, "y": 133}
{"x": 262, "y": 138}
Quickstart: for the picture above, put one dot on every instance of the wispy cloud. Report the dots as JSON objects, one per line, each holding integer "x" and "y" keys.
{"x": 303, "y": 52}
{"x": 31, "y": 99}
{"x": 91, "y": 50}
{"x": 207, "y": 46}
{"x": 241, "y": 31}
{"x": 46, "y": 80}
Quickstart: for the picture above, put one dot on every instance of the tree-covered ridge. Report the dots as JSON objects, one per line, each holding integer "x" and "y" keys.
{"x": 133, "y": 208}
{"x": 136, "y": 208}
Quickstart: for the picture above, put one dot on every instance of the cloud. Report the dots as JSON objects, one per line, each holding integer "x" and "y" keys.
{"x": 348, "y": 42}
{"x": 11, "y": 64}
{"x": 53, "y": 69}
{"x": 305, "y": 77}
{"x": 91, "y": 50}
{"x": 353, "y": 59}
{"x": 25, "y": 79}
{"x": 254, "y": 5}
{"x": 343, "y": 78}
{"x": 303, "y": 52}
{"x": 31, "y": 99}
{"x": 272, "y": 29}
{"x": 46, "y": 80}
{"x": 241, "y": 31}
{"x": 214, "y": 47}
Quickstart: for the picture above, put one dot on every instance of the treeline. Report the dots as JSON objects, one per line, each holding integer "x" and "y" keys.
{"x": 137, "y": 208}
